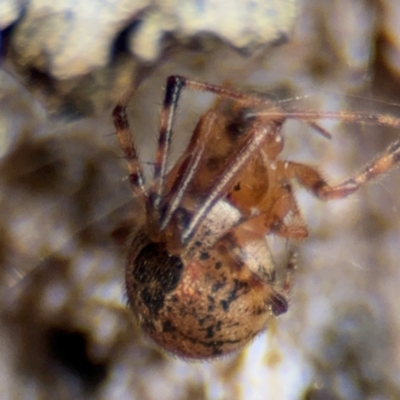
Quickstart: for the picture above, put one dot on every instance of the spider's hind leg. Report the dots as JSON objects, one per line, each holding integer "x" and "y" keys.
{"x": 311, "y": 179}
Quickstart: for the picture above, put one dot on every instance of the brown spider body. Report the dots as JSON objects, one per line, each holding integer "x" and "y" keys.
{"x": 218, "y": 293}
{"x": 199, "y": 276}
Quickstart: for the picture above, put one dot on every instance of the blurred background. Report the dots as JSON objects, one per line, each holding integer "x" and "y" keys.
{"x": 65, "y": 331}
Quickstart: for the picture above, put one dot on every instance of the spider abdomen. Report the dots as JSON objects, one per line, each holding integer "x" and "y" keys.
{"x": 195, "y": 309}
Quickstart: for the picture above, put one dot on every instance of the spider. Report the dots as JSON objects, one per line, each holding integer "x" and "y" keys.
{"x": 200, "y": 278}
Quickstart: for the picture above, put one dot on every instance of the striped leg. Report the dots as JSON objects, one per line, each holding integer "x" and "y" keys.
{"x": 125, "y": 139}
{"x": 170, "y": 104}
{"x": 388, "y": 160}
{"x": 311, "y": 179}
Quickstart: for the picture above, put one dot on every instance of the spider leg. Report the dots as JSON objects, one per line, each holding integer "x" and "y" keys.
{"x": 352, "y": 117}
{"x": 280, "y": 297}
{"x": 221, "y": 91}
{"x": 322, "y": 131}
{"x": 386, "y": 161}
{"x": 312, "y": 179}
{"x": 171, "y": 98}
{"x": 136, "y": 178}
{"x": 289, "y": 273}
